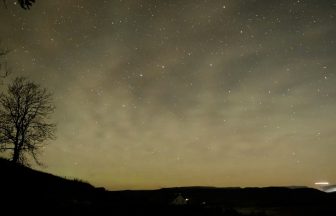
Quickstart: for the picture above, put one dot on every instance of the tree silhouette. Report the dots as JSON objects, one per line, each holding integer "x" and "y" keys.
{"x": 24, "y": 120}
{"x": 26, "y": 4}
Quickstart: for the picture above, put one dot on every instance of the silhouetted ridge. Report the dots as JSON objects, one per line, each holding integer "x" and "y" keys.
{"x": 42, "y": 193}
{"x": 34, "y": 189}
{"x": 25, "y": 179}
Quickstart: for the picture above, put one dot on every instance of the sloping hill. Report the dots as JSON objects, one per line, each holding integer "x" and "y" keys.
{"x": 19, "y": 178}
{"x": 23, "y": 188}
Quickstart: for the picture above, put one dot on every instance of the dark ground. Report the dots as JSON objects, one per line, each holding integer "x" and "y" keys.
{"x": 24, "y": 191}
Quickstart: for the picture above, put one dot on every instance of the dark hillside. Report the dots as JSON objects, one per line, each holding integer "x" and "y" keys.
{"x": 24, "y": 190}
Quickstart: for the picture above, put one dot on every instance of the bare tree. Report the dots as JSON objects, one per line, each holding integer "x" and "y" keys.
{"x": 26, "y": 4}
{"x": 24, "y": 120}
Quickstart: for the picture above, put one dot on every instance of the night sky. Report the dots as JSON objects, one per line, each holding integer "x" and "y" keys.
{"x": 163, "y": 93}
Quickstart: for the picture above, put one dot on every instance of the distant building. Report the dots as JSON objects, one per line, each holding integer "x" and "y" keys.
{"x": 180, "y": 200}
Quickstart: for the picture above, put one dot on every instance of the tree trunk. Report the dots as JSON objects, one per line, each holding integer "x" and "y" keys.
{"x": 16, "y": 154}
